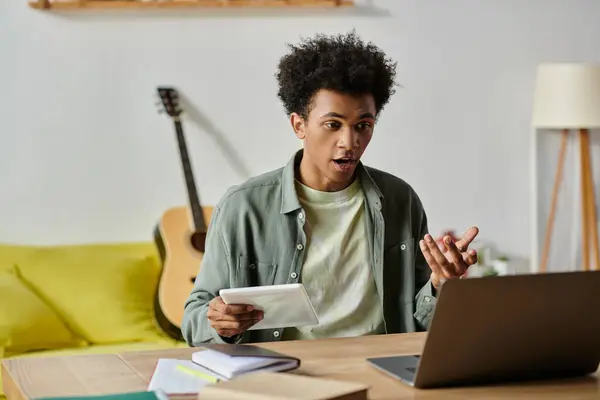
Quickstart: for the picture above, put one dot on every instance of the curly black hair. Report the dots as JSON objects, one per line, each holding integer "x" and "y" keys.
{"x": 343, "y": 63}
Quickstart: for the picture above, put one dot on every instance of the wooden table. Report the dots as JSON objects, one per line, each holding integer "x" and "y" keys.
{"x": 342, "y": 359}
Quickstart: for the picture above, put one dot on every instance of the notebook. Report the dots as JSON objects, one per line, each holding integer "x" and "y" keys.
{"x": 232, "y": 360}
{"x": 270, "y": 386}
{"x": 149, "y": 395}
{"x": 173, "y": 376}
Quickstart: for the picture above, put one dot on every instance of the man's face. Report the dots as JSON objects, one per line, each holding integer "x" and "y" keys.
{"x": 336, "y": 133}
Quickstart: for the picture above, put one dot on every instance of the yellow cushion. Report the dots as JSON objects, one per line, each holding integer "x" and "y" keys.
{"x": 104, "y": 292}
{"x": 26, "y": 322}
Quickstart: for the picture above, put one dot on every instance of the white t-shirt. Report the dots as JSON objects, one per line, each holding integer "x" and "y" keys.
{"x": 337, "y": 272}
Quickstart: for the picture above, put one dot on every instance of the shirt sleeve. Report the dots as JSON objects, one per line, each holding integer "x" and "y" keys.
{"x": 425, "y": 299}
{"x": 213, "y": 276}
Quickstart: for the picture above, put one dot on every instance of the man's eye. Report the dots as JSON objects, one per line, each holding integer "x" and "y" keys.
{"x": 363, "y": 126}
{"x": 332, "y": 124}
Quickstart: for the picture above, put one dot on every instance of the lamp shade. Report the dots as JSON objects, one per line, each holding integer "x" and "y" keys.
{"x": 567, "y": 96}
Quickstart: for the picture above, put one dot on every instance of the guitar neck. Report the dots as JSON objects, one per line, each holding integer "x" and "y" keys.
{"x": 197, "y": 214}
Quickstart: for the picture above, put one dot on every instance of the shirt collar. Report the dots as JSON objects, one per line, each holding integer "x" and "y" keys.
{"x": 289, "y": 197}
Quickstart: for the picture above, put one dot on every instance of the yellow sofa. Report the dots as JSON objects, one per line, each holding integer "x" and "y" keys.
{"x": 78, "y": 299}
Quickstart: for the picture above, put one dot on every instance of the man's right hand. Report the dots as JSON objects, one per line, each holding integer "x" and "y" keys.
{"x": 231, "y": 319}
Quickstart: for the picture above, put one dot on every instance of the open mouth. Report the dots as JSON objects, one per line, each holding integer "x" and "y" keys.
{"x": 344, "y": 161}
{"x": 344, "y": 164}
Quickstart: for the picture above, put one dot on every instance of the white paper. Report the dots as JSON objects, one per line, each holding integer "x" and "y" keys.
{"x": 168, "y": 378}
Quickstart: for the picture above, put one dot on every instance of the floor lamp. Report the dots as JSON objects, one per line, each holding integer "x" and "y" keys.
{"x": 567, "y": 98}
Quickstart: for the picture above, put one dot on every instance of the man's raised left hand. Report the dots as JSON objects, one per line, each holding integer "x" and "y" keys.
{"x": 453, "y": 260}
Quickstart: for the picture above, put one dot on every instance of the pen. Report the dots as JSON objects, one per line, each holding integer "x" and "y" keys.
{"x": 198, "y": 374}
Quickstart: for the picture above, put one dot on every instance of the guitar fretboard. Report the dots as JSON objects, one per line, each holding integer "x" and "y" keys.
{"x": 197, "y": 214}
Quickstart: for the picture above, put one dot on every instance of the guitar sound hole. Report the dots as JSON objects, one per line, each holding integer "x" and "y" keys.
{"x": 193, "y": 279}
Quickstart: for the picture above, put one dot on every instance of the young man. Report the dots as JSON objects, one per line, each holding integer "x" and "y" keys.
{"x": 356, "y": 237}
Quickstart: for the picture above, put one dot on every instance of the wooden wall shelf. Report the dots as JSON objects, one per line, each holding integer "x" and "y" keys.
{"x": 157, "y": 4}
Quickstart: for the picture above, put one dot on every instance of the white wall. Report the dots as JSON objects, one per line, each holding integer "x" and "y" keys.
{"x": 84, "y": 156}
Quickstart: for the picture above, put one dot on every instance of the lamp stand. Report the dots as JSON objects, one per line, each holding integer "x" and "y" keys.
{"x": 588, "y": 203}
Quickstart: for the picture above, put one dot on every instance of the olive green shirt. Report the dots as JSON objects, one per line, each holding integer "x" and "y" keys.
{"x": 256, "y": 237}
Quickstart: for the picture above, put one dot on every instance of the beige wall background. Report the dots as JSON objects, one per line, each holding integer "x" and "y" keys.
{"x": 84, "y": 156}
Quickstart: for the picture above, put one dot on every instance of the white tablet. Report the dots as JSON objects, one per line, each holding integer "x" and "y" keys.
{"x": 284, "y": 306}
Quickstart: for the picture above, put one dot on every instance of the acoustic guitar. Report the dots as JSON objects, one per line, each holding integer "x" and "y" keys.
{"x": 180, "y": 235}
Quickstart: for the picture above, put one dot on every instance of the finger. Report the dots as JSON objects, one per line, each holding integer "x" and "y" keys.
{"x": 470, "y": 257}
{"x": 467, "y": 238}
{"x": 216, "y": 304}
{"x": 454, "y": 256}
{"x": 442, "y": 245}
{"x": 230, "y": 309}
{"x": 440, "y": 258}
{"x": 249, "y": 316}
{"x": 228, "y": 334}
{"x": 231, "y": 325}
{"x": 431, "y": 261}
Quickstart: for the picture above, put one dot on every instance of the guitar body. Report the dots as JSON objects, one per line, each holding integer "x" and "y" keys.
{"x": 173, "y": 236}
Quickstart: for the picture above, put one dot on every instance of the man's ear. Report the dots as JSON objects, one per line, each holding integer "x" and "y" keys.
{"x": 299, "y": 125}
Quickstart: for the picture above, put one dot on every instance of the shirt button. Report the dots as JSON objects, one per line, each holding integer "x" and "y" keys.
{"x": 276, "y": 333}
{"x": 294, "y": 275}
{"x": 301, "y": 216}
{"x": 403, "y": 247}
{"x": 252, "y": 266}
{"x": 299, "y": 247}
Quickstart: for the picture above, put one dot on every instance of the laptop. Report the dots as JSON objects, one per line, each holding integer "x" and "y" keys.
{"x": 503, "y": 329}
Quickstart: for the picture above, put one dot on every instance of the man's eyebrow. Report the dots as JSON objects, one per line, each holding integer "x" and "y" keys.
{"x": 333, "y": 114}
{"x": 337, "y": 115}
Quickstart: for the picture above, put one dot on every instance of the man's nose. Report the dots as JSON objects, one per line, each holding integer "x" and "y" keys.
{"x": 348, "y": 140}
